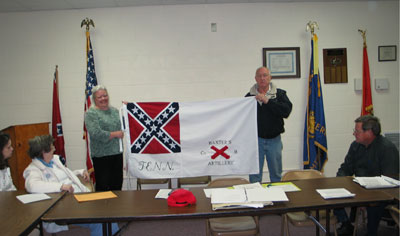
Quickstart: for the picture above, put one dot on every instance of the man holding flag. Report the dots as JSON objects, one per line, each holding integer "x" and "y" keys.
{"x": 315, "y": 152}
{"x": 273, "y": 106}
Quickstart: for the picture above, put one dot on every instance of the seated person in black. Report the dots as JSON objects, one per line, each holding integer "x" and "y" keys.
{"x": 370, "y": 154}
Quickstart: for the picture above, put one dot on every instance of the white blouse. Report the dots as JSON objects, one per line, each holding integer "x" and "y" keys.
{"x": 6, "y": 183}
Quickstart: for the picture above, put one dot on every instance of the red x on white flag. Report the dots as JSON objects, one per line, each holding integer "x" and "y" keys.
{"x": 220, "y": 152}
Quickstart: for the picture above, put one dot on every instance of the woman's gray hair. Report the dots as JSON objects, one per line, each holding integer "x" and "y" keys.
{"x": 40, "y": 144}
{"x": 97, "y": 88}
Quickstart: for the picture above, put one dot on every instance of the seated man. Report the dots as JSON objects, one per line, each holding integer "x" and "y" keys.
{"x": 370, "y": 154}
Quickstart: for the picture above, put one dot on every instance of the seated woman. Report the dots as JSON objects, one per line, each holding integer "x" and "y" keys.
{"x": 46, "y": 174}
{"x": 6, "y": 151}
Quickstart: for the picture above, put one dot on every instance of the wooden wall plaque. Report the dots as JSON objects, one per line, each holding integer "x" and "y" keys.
{"x": 335, "y": 65}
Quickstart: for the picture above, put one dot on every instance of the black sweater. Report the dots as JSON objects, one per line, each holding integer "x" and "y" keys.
{"x": 381, "y": 157}
{"x": 270, "y": 116}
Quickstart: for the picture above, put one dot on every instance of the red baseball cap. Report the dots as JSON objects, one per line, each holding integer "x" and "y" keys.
{"x": 181, "y": 197}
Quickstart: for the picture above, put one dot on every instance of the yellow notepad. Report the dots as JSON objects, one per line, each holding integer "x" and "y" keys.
{"x": 94, "y": 196}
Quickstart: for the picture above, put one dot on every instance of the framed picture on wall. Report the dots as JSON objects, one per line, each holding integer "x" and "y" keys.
{"x": 282, "y": 62}
{"x": 387, "y": 53}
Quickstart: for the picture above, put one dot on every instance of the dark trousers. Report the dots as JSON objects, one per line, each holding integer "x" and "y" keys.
{"x": 108, "y": 172}
{"x": 374, "y": 215}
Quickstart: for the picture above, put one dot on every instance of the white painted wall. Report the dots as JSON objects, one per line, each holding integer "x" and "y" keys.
{"x": 160, "y": 53}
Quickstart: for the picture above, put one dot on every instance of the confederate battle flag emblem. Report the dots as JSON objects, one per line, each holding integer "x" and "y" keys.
{"x": 154, "y": 127}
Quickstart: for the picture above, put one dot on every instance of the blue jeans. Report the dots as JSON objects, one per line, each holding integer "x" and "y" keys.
{"x": 97, "y": 229}
{"x": 272, "y": 150}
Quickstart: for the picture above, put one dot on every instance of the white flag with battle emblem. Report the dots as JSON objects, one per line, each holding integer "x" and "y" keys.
{"x": 187, "y": 139}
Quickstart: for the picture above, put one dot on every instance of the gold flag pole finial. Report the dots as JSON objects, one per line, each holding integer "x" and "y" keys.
{"x": 87, "y": 22}
{"x": 311, "y": 26}
{"x": 363, "y": 32}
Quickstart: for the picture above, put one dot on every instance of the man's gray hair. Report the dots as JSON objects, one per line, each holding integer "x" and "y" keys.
{"x": 370, "y": 122}
{"x": 259, "y": 68}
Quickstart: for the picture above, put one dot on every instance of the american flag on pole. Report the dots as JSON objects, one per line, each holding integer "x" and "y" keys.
{"x": 187, "y": 139}
{"x": 91, "y": 81}
{"x": 56, "y": 124}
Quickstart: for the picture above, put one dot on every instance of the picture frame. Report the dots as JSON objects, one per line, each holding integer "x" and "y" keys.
{"x": 282, "y": 62}
{"x": 387, "y": 53}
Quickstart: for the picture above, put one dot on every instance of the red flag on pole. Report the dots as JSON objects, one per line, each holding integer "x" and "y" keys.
{"x": 91, "y": 81}
{"x": 56, "y": 123}
{"x": 367, "y": 107}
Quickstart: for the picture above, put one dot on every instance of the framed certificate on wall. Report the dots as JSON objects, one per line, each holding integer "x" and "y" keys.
{"x": 282, "y": 62}
{"x": 387, "y": 53}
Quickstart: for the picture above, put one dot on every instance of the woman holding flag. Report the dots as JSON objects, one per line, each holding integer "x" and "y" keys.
{"x": 104, "y": 127}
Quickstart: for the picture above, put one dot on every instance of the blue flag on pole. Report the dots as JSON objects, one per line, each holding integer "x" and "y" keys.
{"x": 315, "y": 152}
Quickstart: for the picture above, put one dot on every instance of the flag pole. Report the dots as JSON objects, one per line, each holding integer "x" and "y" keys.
{"x": 367, "y": 105}
{"x": 311, "y": 26}
{"x": 87, "y": 22}
{"x": 56, "y": 76}
{"x": 56, "y": 123}
{"x": 89, "y": 164}
{"x": 315, "y": 143}
{"x": 363, "y": 32}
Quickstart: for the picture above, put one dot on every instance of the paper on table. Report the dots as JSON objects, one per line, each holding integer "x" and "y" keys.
{"x": 248, "y": 186}
{"x": 163, "y": 193}
{"x": 222, "y": 206}
{"x": 226, "y": 195}
{"x": 376, "y": 182}
{"x": 208, "y": 191}
{"x": 391, "y": 180}
{"x": 266, "y": 195}
{"x": 286, "y": 186}
{"x": 94, "y": 196}
{"x": 335, "y": 193}
{"x": 33, "y": 197}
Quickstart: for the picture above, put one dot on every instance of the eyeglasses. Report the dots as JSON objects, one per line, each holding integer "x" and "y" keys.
{"x": 358, "y": 131}
{"x": 263, "y": 75}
